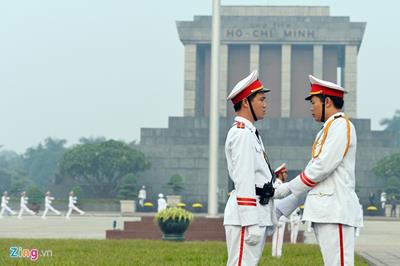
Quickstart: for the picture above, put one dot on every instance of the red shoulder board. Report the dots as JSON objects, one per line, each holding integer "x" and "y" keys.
{"x": 239, "y": 124}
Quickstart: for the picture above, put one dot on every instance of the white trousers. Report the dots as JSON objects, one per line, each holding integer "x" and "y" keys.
{"x": 277, "y": 240}
{"x": 6, "y": 208}
{"x": 294, "y": 230}
{"x": 71, "y": 208}
{"x": 336, "y": 242}
{"x": 51, "y": 208}
{"x": 239, "y": 252}
{"x": 25, "y": 208}
{"x": 141, "y": 202}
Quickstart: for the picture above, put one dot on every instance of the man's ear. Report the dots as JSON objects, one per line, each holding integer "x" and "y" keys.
{"x": 245, "y": 102}
{"x": 328, "y": 102}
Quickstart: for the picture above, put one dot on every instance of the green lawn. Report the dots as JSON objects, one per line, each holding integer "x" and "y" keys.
{"x": 146, "y": 252}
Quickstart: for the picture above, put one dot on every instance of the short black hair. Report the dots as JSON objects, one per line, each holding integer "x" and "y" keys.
{"x": 250, "y": 98}
{"x": 337, "y": 101}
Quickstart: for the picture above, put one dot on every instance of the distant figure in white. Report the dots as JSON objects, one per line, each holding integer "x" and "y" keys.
{"x": 281, "y": 174}
{"x": 295, "y": 218}
{"x": 277, "y": 237}
{"x": 161, "y": 203}
{"x": 47, "y": 201}
{"x": 71, "y": 205}
{"x": 383, "y": 199}
{"x": 4, "y": 205}
{"x": 142, "y": 195}
{"x": 23, "y": 202}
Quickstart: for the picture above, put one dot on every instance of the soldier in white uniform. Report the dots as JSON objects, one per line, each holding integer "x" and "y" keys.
{"x": 383, "y": 200}
{"x": 4, "y": 205}
{"x": 295, "y": 219}
{"x": 249, "y": 213}
{"x": 47, "y": 203}
{"x": 72, "y": 200}
{"x": 328, "y": 181}
{"x": 23, "y": 207}
{"x": 278, "y": 236}
{"x": 142, "y": 195}
{"x": 161, "y": 203}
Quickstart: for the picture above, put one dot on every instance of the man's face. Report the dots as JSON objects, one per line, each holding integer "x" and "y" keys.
{"x": 316, "y": 108}
{"x": 259, "y": 104}
{"x": 283, "y": 176}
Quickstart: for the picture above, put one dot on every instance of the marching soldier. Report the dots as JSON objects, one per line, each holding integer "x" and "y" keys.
{"x": 23, "y": 202}
{"x": 249, "y": 213}
{"x": 4, "y": 205}
{"x": 328, "y": 181}
{"x": 72, "y": 200}
{"x": 47, "y": 200}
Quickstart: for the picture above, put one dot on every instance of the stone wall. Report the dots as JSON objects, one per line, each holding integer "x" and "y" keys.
{"x": 182, "y": 148}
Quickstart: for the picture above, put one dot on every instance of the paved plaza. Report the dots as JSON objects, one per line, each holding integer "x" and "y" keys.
{"x": 379, "y": 240}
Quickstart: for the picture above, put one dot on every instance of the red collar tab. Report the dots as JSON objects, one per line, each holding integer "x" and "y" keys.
{"x": 239, "y": 124}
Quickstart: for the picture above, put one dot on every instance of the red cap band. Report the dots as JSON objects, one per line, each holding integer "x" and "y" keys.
{"x": 253, "y": 87}
{"x": 318, "y": 89}
{"x": 283, "y": 169}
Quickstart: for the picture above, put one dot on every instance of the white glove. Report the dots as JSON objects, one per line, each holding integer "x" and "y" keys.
{"x": 282, "y": 191}
{"x": 253, "y": 234}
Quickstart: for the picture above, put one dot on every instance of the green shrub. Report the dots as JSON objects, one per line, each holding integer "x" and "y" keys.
{"x": 173, "y": 213}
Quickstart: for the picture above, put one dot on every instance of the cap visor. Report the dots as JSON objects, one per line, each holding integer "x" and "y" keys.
{"x": 308, "y": 97}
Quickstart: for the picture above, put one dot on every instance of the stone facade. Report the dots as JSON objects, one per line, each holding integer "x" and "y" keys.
{"x": 310, "y": 41}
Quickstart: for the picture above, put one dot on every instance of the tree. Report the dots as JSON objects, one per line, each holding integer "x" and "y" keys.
{"x": 35, "y": 195}
{"x": 388, "y": 168}
{"x": 41, "y": 162}
{"x": 176, "y": 183}
{"x": 392, "y": 124}
{"x": 10, "y": 168}
{"x": 392, "y": 185}
{"x": 92, "y": 140}
{"x": 101, "y": 166}
{"x": 128, "y": 188}
{"x": 19, "y": 183}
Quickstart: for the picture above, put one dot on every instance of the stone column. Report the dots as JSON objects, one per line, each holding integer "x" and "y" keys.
{"x": 189, "y": 103}
{"x": 254, "y": 57}
{"x": 223, "y": 79}
{"x": 350, "y": 80}
{"x": 318, "y": 55}
{"x": 285, "y": 83}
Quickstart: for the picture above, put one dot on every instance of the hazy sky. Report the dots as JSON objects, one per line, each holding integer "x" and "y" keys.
{"x": 109, "y": 67}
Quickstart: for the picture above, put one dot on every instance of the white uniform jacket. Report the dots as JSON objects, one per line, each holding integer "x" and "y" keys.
{"x": 247, "y": 168}
{"x": 23, "y": 201}
{"x": 4, "y": 201}
{"x": 48, "y": 200}
{"x": 329, "y": 177}
{"x": 71, "y": 201}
